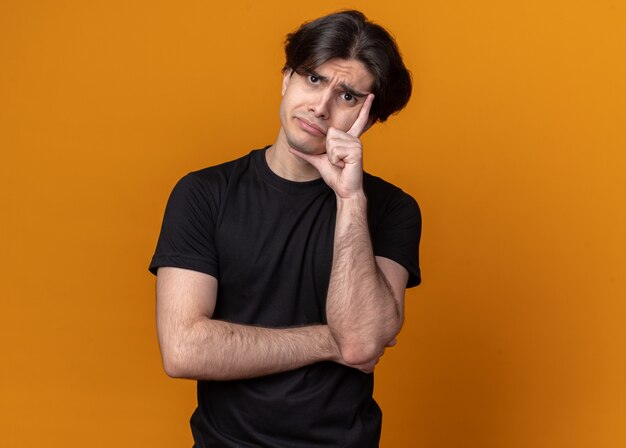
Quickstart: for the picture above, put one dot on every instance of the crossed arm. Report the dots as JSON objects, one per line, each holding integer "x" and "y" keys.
{"x": 195, "y": 346}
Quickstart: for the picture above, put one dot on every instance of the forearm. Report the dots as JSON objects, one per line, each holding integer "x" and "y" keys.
{"x": 210, "y": 349}
{"x": 362, "y": 313}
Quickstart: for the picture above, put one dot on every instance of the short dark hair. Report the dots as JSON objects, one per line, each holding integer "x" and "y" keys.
{"x": 349, "y": 35}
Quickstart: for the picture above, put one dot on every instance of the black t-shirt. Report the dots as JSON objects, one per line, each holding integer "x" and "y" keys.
{"x": 269, "y": 243}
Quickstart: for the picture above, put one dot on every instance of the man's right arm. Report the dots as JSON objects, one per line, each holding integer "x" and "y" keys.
{"x": 195, "y": 346}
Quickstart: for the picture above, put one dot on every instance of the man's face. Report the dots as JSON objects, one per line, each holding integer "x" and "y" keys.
{"x": 329, "y": 96}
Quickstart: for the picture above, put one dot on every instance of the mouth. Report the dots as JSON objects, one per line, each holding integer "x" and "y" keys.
{"x": 309, "y": 127}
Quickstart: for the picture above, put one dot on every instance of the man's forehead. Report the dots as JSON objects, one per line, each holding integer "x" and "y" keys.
{"x": 348, "y": 72}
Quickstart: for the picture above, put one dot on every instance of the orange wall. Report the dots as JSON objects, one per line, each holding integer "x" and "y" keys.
{"x": 513, "y": 144}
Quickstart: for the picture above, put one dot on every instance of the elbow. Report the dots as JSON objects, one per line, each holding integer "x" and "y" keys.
{"x": 364, "y": 350}
{"x": 358, "y": 353}
{"x": 174, "y": 363}
{"x": 172, "y": 369}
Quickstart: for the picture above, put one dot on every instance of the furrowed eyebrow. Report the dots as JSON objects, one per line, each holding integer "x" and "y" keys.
{"x": 351, "y": 91}
{"x": 343, "y": 85}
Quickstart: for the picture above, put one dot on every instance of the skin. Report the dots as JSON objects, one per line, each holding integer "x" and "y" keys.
{"x": 320, "y": 100}
{"x": 321, "y": 125}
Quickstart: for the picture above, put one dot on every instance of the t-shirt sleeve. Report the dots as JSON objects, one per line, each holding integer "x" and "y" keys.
{"x": 186, "y": 238}
{"x": 397, "y": 235}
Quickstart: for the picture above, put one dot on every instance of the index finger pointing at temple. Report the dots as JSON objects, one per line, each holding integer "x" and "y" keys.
{"x": 361, "y": 121}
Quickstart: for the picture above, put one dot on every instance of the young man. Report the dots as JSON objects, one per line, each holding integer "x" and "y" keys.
{"x": 281, "y": 275}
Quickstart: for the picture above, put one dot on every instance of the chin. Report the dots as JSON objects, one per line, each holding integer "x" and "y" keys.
{"x": 308, "y": 147}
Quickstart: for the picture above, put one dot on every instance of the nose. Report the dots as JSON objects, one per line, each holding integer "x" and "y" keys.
{"x": 320, "y": 105}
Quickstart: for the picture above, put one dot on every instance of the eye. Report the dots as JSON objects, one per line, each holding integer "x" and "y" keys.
{"x": 348, "y": 97}
{"x": 313, "y": 79}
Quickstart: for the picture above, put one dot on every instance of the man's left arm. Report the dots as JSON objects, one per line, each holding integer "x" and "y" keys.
{"x": 365, "y": 301}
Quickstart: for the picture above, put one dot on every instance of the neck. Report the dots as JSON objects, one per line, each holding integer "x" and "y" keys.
{"x": 287, "y": 165}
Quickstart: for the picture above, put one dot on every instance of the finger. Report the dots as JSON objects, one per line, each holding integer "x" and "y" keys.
{"x": 361, "y": 121}
{"x": 338, "y": 162}
{"x": 338, "y": 155}
{"x": 344, "y": 155}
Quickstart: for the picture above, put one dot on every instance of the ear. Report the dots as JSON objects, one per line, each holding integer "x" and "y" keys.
{"x": 286, "y": 77}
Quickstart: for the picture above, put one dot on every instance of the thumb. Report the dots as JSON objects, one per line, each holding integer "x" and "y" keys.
{"x": 314, "y": 159}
